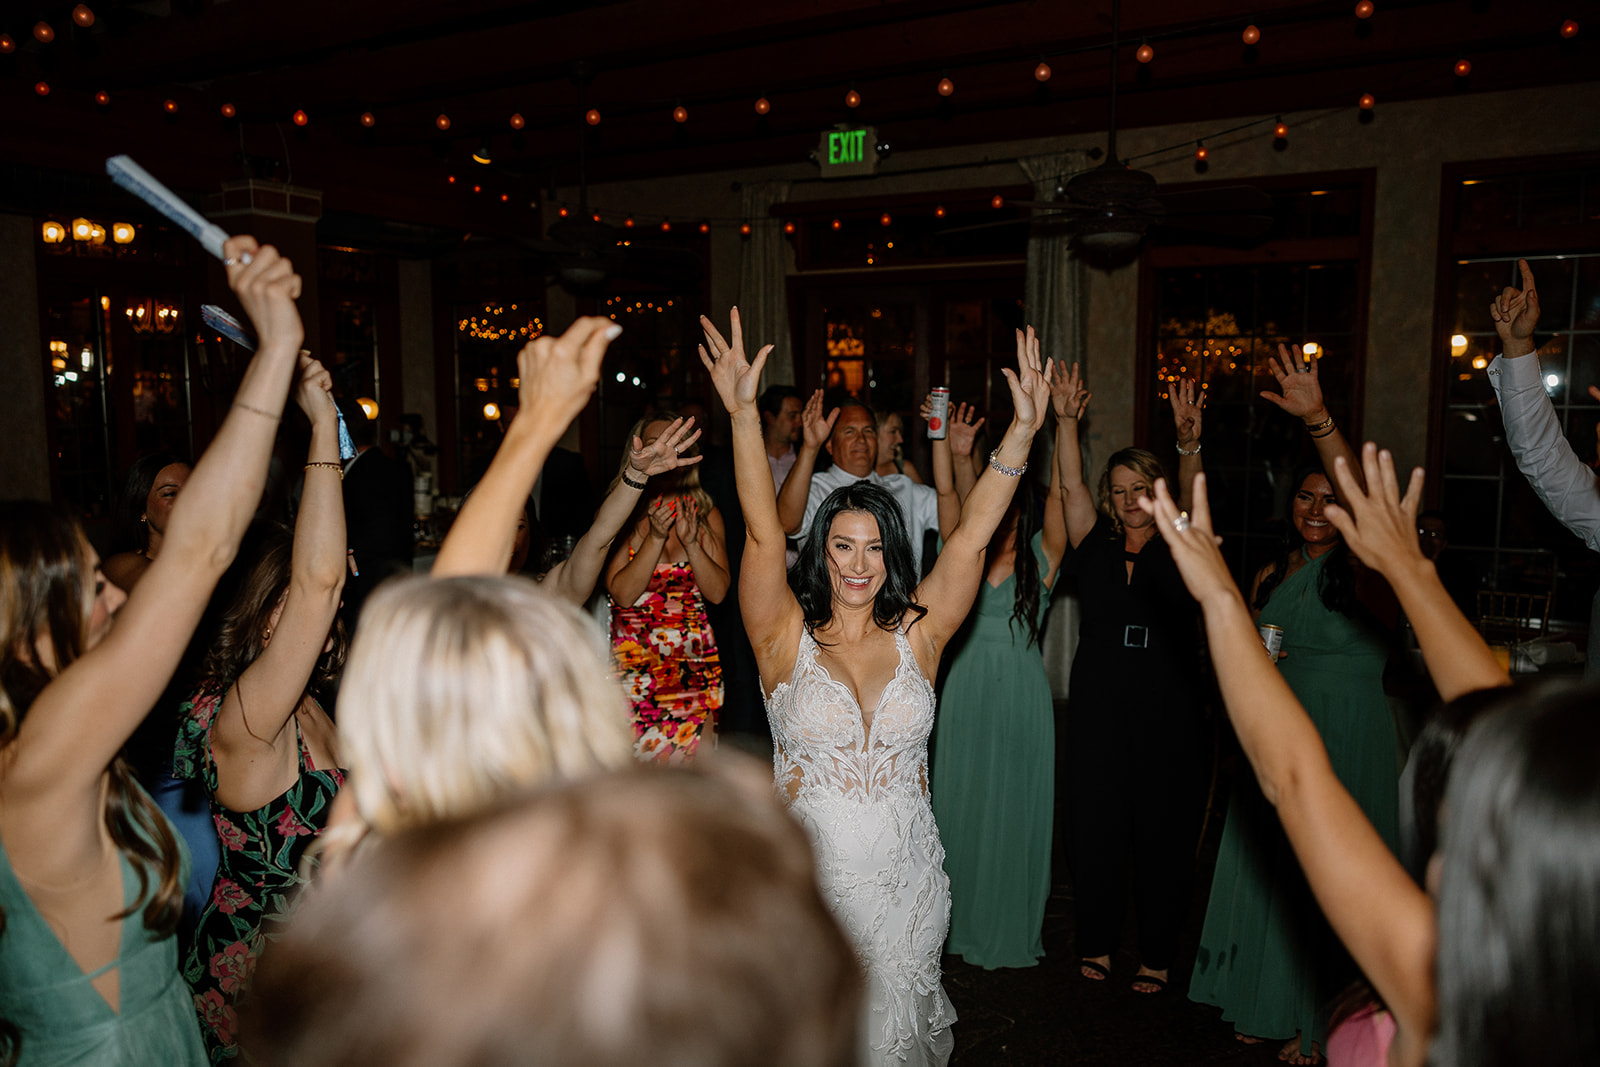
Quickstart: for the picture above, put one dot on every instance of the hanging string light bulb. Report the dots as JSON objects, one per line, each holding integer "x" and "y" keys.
{"x": 1145, "y": 53}
{"x": 43, "y": 32}
{"x": 1463, "y": 67}
{"x": 946, "y": 87}
{"x": 7, "y": 45}
{"x": 852, "y": 98}
{"x": 1251, "y": 34}
{"x": 368, "y": 119}
{"x": 680, "y": 114}
{"x": 1364, "y": 9}
{"x": 517, "y": 121}
{"x": 442, "y": 121}
{"x": 592, "y": 116}
{"x": 1569, "y": 28}
{"x": 1042, "y": 72}
{"x": 102, "y": 98}
{"x": 83, "y": 16}
{"x": 229, "y": 111}
{"x": 300, "y": 118}
{"x": 1201, "y": 152}
{"x": 1281, "y": 130}
{"x": 1367, "y": 101}
{"x": 763, "y": 105}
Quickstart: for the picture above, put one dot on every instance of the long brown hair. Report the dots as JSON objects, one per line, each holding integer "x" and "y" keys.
{"x": 240, "y": 632}
{"x": 47, "y": 590}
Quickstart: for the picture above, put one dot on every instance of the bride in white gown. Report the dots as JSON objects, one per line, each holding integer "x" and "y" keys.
{"x": 846, "y": 660}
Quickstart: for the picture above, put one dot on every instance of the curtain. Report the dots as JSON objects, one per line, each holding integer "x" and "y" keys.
{"x": 763, "y": 276}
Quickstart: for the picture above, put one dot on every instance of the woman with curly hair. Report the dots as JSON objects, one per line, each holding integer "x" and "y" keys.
{"x": 255, "y": 735}
{"x": 91, "y": 874}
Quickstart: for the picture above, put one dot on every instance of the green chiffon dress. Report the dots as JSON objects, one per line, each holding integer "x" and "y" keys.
{"x": 1267, "y": 956}
{"x": 994, "y": 783}
{"x": 60, "y": 1015}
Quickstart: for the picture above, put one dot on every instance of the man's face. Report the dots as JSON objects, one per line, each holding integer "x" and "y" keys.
{"x": 786, "y": 424}
{"x": 854, "y": 444}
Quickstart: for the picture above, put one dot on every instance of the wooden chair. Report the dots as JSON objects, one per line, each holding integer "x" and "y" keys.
{"x": 1512, "y": 618}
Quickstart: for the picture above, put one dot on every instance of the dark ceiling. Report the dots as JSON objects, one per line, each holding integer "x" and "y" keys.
{"x": 406, "y": 62}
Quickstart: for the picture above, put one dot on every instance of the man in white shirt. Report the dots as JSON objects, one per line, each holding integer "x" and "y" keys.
{"x": 780, "y": 408}
{"x": 1565, "y": 483}
{"x": 850, "y": 435}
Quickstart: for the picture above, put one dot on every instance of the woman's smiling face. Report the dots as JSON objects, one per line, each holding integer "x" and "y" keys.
{"x": 855, "y": 558}
{"x": 1314, "y": 495}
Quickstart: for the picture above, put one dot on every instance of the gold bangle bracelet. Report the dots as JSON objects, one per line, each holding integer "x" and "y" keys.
{"x": 329, "y": 464}
{"x": 1325, "y": 424}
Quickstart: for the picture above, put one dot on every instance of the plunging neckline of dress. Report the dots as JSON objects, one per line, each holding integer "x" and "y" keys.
{"x": 861, "y": 712}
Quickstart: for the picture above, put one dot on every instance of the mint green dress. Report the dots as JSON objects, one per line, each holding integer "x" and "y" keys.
{"x": 1267, "y": 956}
{"x": 994, "y": 783}
{"x": 64, "y": 1020}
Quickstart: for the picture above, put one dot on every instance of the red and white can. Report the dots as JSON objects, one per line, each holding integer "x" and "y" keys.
{"x": 939, "y": 417}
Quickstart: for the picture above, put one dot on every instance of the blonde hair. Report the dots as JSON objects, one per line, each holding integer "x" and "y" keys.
{"x": 1144, "y": 464}
{"x": 685, "y": 481}
{"x": 460, "y": 691}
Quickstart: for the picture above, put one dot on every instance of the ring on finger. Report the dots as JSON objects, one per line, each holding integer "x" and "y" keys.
{"x": 1181, "y": 523}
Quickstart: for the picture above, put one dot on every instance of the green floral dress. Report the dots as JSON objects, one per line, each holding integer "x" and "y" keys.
{"x": 257, "y": 880}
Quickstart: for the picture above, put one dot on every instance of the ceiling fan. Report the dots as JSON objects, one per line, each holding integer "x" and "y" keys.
{"x": 1110, "y": 209}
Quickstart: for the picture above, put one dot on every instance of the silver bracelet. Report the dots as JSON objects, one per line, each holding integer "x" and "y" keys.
{"x": 1196, "y": 451}
{"x": 1009, "y": 472}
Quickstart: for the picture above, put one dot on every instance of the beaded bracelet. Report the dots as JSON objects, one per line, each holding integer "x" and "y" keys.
{"x": 330, "y": 464}
{"x": 631, "y": 483}
{"x": 1184, "y": 452}
{"x": 1009, "y": 472}
{"x": 1325, "y": 424}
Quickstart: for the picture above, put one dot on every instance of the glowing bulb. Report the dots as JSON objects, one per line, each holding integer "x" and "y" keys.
{"x": 169, "y": 106}
{"x": 1458, "y": 344}
{"x": 592, "y": 116}
{"x": 299, "y": 117}
{"x": 997, "y": 201}
{"x": 884, "y": 219}
{"x": 1145, "y": 53}
{"x": 1201, "y": 152}
{"x": 369, "y": 407}
{"x": 43, "y": 32}
{"x": 946, "y": 86}
{"x": 53, "y": 233}
{"x": 666, "y": 227}
{"x": 680, "y": 114}
{"x": 788, "y": 227}
{"x": 517, "y": 121}
{"x": 1281, "y": 130}
{"x": 1251, "y": 35}
{"x": 7, "y": 45}
{"x": 229, "y": 111}
{"x": 628, "y": 222}
{"x": 1311, "y": 348}
{"x": 763, "y": 105}
{"x": 82, "y": 229}
{"x": 83, "y": 16}
{"x": 836, "y": 224}
{"x": 368, "y": 119}
{"x": 1463, "y": 67}
{"x": 122, "y": 233}
{"x": 491, "y": 411}
{"x": 1479, "y": 362}
{"x": 1552, "y": 380}
{"x": 1367, "y": 101}
{"x": 443, "y": 122}
{"x": 1364, "y": 9}
{"x": 852, "y": 99}
{"x": 102, "y": 98}
{"x": 705, "y": 227}
{"x": 938, "y": 212}
{"x": 1569, "y": 28}
{"x": 744, "y": 229}
{"x": 42, "y": 88}
{"x": 1042, "y": 71}
{"x": 621, "y": 377}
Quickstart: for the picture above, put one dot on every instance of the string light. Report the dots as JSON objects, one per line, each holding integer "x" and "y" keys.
{"x": 169, "y": 106}
{"x": 592, "y": 116}
{"x": 852, "y": 99}
{"x": 83, "y": 16}
{"x": 505, "y": 197}
{"x": 1145, "y": 53}
{"x": 946, "y": 86}
{"x": 705, "y": 227}
{"x": 368, "y": 119}
{"x": 997, "y": 201}
{"x": 451, "y": 178}
{"x": 442, "y": 121}
{"x": 517, "y": 121}
{"x": 788, "y": 228}
{"x": 1364, "y": 9}
{"x": 228, "y": 111}
{"x": 763, "y": 105}
{"x": 102, "y": 98}
{"x": 1042, "y": 71}
{"x": 836, "y": 224}
{"x": 7, "y": 45}
{"x": 628, "y": 222}
{"x": 680, "y": 114}
{"x": 666, "y": 226}
{"x": 42, "y": 88}
{"x": 1281, "y": 130}
{"x": 744, "y": 229}
{"x": 938, "y": 212}
{"x": 1463, "y": 67}
{"x": 1201, "y": 152}
{"x": 885, "y": 219}
{"x": 43, "y": 32}
{"x": 1367, "y": 101}
{"x": 300, "y": 117}
{"x": 1569, "y": 28}
{"x": 562, "y": 211}
{"x": 1251, "y": 34}
{"x": 477, "y": 188}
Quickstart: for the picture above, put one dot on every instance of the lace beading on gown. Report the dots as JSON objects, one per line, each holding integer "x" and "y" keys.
{"x": 862, "y": 796}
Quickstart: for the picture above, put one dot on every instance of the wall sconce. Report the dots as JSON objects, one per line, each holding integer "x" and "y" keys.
{"x": 82, "y": 229}
{"x": 122, "y": 233}
{"x": 53, "y": 233}
{"x": 166, "y": 318}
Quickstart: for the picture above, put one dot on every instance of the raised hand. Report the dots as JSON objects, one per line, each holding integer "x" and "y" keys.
{"x": 815, "y": 427}
{"x": 1188, "y": 400}
{"x": 1195, "y": 548}
{"x": 1069, "y": 393}
{"x": 963, "y": 431}
{"x": 736, "y": 378}
{"x": 1297, "y": 378}
{"x": 687, "y": 525}
{"x": 559, "y": 374}
{"x": 665, "y": 453}
{"x": 1030, "y": 384}
{"x": 1515, "y": 313}
{"x": 662, "y": 513}
{"x": 267, "y": 287}
{"x": 313, "y": 390}
{"x": 1380, "y": 526}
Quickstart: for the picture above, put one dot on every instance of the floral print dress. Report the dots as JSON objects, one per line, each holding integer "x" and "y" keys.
{"x": 667, "y": 658}
{"x": 257, "y": 881}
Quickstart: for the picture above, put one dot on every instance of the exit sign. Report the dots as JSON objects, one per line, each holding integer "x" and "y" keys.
{"x": 846, "y": 152}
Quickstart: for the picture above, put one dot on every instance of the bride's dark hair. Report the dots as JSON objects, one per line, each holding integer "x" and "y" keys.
{"x": 812, "y": 581}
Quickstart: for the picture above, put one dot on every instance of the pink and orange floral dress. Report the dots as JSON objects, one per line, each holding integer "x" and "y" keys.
{"x": 666, "y": 657}
{"x": 257, "y": 880}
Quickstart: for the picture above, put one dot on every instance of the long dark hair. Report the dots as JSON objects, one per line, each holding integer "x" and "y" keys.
{"x": 1025, "y": 606}
{"x": 239, "y": 634}
{"x": 47, "y": 589}
{"x": 813, "y": 582}
{"x": 1336, "y": 585}
{"x": 1519, "y": 934}
{"x": 128, "y": 532}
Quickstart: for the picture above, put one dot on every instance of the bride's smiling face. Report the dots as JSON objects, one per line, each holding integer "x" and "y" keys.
{"x": 855, "y": 558}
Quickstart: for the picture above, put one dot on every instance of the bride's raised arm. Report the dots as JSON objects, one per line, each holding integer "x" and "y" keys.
{"x": 772, "y": 615}
{"x": 949, "y": 590}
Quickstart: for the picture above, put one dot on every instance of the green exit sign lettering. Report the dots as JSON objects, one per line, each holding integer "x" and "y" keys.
{"x": 846, "y": 152}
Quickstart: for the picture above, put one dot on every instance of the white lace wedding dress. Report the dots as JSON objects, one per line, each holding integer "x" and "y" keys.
{"x": 863, "y": 798}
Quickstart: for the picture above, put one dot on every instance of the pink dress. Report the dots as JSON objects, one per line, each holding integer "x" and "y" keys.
{"x": 666, "y": 657}
{"x": 1362, "y": 1040}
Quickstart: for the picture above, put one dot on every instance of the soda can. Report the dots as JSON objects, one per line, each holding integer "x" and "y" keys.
{"x": 939, "y": 417}
{"x": 1272, "y": 637}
